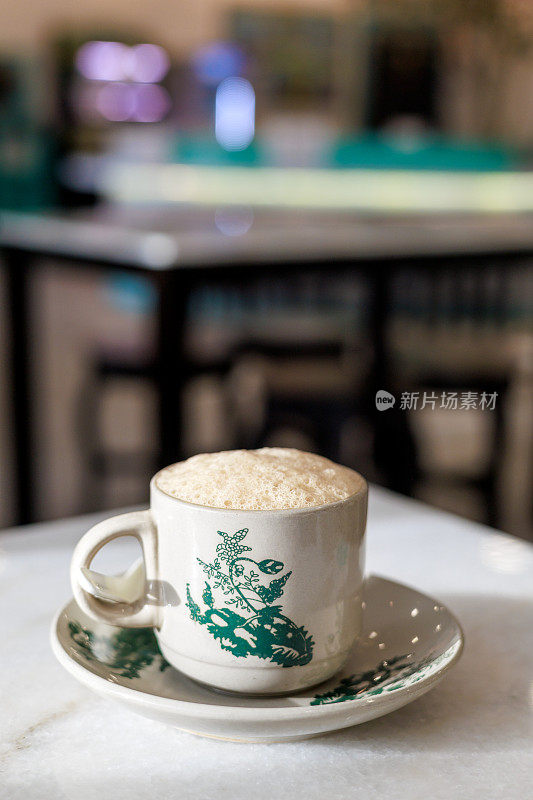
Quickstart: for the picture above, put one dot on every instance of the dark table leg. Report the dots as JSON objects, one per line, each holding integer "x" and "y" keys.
{"x": 379, "y": 317}
{"x": 394, "y": 445}
{"x": 172, "y": 368}
{"x": 17, "y": 291}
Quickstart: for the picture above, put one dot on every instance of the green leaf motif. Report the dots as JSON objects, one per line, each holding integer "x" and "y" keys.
{"x": 130, "y": 649}
{"x": 194, "y": 609}
{"x": 207, "y": 595}
{"x": 269, "y": 566}
{"x": 274, "y": 589}
{"x": 268, "y": 635}
{"x": 372, "y": 682}
{"x": 246, "y": 623}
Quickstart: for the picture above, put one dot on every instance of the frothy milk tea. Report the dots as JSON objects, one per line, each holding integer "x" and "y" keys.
{"x": 267, "y": 479}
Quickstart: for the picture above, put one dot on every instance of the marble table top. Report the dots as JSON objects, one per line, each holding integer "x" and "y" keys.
{"x": 470, "y": 737}
{"x": 164, "y": 239}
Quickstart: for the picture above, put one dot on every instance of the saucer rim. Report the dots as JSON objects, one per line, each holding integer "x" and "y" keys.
{"x": 207, "y": 711}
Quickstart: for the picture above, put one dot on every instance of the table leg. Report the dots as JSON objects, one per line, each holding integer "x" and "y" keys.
{"x": 172, "y": 367}
{"x": 394, "y": 445}
{"x": 379, "y": 318}
{"x": 19, "y": 336}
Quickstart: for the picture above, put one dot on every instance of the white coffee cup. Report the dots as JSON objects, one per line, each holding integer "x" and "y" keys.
{"x": 255, "y": 602}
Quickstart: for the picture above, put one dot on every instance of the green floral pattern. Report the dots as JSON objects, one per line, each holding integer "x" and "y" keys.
{"x": 127, "y": 652}
{"x": 390, "y": 675}
{"x": 130, "y": 651}
{"x": 244, "y": 621}
{"x": 368, "y": 683}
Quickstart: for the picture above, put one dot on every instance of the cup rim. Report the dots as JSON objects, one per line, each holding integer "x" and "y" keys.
{"x": 261, "y": 511}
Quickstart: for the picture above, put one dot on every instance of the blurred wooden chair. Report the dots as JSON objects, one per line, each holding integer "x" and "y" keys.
{"x": 457, "y": 331}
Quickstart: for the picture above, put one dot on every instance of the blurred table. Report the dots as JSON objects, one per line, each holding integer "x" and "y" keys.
{"x": 470, "y": 737}
{"x": 181, "y": 247}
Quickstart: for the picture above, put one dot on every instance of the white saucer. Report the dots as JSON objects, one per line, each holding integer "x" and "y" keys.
{"x": 408, "y": 643}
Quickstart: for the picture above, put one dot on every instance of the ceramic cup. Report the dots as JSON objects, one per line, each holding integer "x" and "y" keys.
{"x": 254, "y": 602}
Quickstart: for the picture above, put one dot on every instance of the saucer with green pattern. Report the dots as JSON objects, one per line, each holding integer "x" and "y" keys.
{"x": 409, "y": 642}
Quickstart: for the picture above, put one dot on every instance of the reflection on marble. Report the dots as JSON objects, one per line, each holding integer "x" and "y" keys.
{"x": 504, "y": 554}
{"x": 470, "y": 737}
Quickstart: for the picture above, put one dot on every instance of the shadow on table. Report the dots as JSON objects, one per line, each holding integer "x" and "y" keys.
{"x": 485, "y": 702}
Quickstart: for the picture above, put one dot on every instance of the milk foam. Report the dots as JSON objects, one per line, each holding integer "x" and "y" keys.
{"x": 266, "y": 479}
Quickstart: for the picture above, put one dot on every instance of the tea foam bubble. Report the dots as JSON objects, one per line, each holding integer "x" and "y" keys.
{"x": 259, "y": 480}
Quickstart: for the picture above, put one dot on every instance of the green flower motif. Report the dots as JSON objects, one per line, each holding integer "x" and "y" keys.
{"x": 248, "y": 623}
{"x": 131, "y": 649}
{"x": 378, "y": 680}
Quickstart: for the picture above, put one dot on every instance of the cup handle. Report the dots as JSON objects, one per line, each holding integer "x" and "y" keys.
{"x": 125, "y": 599}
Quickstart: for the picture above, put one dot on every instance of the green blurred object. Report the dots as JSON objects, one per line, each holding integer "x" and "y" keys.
{"x": 419, "y": 153}
{"x": 27, "y": 148}
{"x": 26, "y": 167}
{"x": 204, "y": 149}
{"x": 372, "y": 151}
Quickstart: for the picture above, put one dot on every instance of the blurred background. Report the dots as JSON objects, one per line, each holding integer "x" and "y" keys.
{"x": 225, "y": 130}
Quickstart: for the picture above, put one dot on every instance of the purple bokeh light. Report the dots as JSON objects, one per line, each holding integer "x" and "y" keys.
{"x": 102, "y": 61}
{"x": 116, "y": 101}
{"x": 151, "y": 103}
{"x": 147, "y": 63}
{"x": 114, "y": 61}
{"x": 131, "y": 75}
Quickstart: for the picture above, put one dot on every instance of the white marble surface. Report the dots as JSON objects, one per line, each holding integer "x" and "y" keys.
{"x": 187, "y": 236}
{"x": 471, "y": 737}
